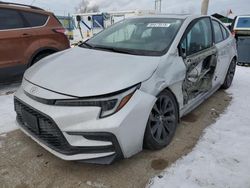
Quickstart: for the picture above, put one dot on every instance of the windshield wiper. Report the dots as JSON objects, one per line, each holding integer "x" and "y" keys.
{"x": 118, "y": 50}
{"x": 85, "y": 44}
{"x": 112, "y": 49}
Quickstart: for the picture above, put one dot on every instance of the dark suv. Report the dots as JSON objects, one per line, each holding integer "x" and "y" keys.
{"x": 27, "y": 34}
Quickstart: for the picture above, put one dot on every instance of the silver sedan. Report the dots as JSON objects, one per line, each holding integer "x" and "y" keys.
{"x": 126, "y": 88}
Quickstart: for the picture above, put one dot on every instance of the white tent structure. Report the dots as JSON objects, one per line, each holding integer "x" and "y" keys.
{"x": 93, "y": 23}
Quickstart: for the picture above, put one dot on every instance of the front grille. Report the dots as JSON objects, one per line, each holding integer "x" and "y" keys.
{"x": 49, "y": 134}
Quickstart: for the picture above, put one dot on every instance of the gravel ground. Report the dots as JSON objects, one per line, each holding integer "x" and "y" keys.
{"x": 24, "y": 164}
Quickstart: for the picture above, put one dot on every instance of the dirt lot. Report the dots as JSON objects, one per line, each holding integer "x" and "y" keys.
{"x": 24, "y": 164}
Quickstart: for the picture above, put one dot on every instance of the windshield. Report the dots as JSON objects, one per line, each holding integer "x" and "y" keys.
{"x": 139, "y": 36}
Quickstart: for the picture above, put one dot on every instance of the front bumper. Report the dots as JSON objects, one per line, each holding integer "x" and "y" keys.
{"x": 77, "y": 133}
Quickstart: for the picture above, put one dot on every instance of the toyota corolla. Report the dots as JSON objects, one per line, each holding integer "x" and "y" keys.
{"x": 126, "y": 88}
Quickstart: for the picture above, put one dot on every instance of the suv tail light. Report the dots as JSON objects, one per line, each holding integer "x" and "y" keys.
{"x": 60, "y": 30}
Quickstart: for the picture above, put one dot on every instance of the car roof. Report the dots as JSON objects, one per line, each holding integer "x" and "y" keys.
{"x": 243, "y": 15}
{"x": 24, "y": 7}
{"x": 177, "y": 16}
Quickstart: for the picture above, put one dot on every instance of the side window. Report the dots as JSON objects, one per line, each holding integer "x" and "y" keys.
{"x": 224, "y": 32}
{"x": 10, "y": 19}
{"x": 198, "y": 38}
{"x": 218, "y": 36}
{"x": 34, "y": 19}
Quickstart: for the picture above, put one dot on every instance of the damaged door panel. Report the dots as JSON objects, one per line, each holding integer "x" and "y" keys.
{"x": 200, "y": 58}
{"x": 200, "y": 72}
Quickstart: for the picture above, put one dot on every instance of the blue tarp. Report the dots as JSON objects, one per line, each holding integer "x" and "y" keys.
{"x": 99, "y": 19}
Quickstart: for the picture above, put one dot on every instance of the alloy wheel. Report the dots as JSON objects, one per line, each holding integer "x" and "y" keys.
{"x": 162, "y": 119}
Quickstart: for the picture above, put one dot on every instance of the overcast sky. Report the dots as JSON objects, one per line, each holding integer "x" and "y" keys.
{"x": 63, "y": 7}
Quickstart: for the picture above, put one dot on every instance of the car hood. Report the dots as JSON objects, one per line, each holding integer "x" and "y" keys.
{"x": 82, "y": 72}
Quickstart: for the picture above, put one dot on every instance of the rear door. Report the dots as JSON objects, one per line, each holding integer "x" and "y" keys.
{"x": 200, "y": 57}
{"x": 11, "y": 40}
{"x": 223, "y": 47}
{"x": 31, "y": 35}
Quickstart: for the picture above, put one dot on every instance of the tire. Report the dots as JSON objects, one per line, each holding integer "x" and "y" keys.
{"x": 240, "y": 64}
{"x": 230, "y": 75}
{"x": 40, "y": 56}
{"x": 162, "y": 122}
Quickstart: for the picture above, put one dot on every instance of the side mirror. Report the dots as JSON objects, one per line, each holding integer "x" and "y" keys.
{"x": 182, "y": 52}
{"x": 78, "y": 18}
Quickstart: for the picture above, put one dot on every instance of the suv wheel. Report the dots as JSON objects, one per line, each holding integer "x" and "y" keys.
{"x": 40, "y": 56}
{"x": 162, "y": 122}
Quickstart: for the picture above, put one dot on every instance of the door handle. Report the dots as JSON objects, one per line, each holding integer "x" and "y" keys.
{"x": 26, "y": 35}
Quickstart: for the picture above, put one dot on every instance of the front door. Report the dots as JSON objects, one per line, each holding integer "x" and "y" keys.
{"x": 200, "y": 57}
{"x": 11, "y": 40}
{"x": 11, "y": 44}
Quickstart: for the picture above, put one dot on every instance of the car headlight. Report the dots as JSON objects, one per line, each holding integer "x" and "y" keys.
{"x": 109, "y": 104}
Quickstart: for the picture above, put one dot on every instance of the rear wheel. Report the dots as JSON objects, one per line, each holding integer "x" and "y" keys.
{"x": 230, "y": 75}
{"x": 162, "y": 122}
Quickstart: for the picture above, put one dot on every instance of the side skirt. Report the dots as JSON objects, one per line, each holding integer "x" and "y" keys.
{"x": 197, "y": 102}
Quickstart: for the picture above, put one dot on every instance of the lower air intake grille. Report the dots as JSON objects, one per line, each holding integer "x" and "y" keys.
{"x": 46, "y": 131}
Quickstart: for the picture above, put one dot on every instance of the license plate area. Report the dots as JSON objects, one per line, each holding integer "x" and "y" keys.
{"x": 30, "y": 121}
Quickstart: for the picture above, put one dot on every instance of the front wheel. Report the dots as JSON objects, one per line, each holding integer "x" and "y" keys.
{"x": 162, "y": 122}
{"x": 230, "y": 75}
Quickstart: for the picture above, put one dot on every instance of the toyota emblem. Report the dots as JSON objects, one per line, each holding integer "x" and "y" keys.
{"x": 33, "y": 90}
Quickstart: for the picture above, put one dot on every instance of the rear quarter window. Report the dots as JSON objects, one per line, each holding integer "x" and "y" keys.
{"x": 35, "y": 19}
